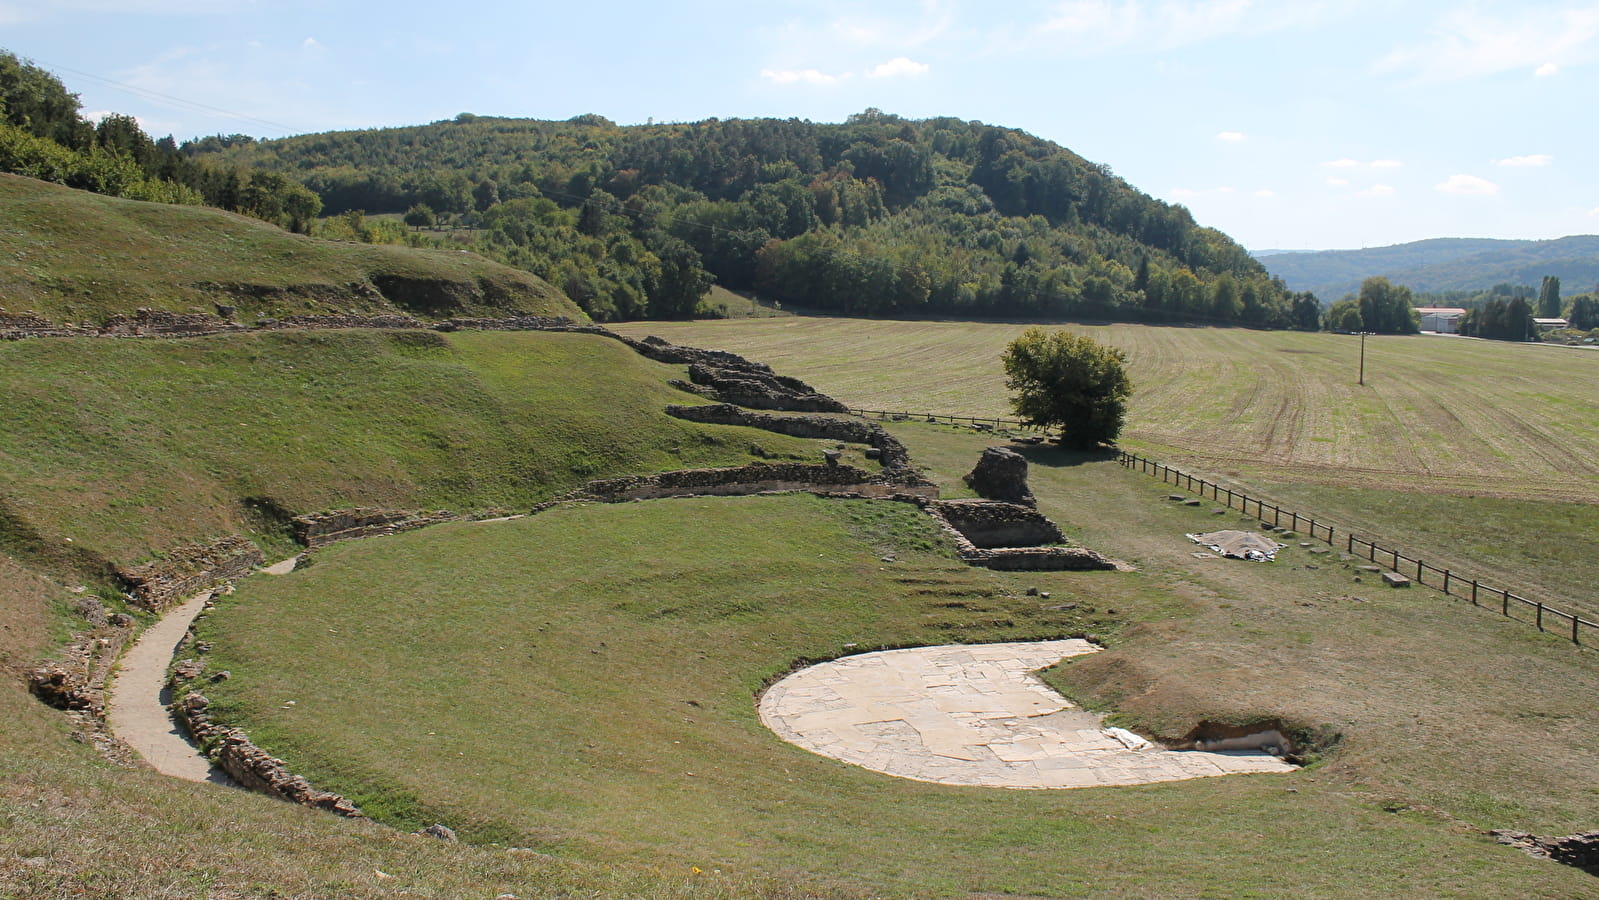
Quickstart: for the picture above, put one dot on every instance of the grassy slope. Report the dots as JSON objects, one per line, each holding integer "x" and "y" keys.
{"x": 131, "y": 447}
{"x": 1479, "y": 455}
{"x": 75, "y": 256}
{"x": 608, "y": 712}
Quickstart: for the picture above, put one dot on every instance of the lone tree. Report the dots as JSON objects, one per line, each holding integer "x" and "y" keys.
{"x": 1071, "y": 381}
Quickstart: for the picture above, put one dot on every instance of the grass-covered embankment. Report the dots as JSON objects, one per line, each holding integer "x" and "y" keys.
{"x": 125, "y": 448}
{"x": 584, "y": 681}
{"x": 73, "y": 256}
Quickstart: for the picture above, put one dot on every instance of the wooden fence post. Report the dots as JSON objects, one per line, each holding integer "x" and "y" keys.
{"x": 1446, "y": 582}
{"x": 1540, "y": 616}
{"x": 1504, "y": 608}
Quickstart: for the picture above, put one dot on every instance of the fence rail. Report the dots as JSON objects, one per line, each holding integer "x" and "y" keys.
{"x": 1509, "y": 604}
{"x": 973, "y": 421}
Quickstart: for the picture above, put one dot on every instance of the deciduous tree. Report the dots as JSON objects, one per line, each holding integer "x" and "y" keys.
{"x": 1070, "y": 381}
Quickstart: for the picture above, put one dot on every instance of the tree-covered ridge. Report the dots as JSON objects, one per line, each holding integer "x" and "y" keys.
{"x": 44, "y": 136}
{"x": 876, "y": 215}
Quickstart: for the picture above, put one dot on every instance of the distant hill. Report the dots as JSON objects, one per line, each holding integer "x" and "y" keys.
{"x": 73, "y": 256}
{"x": 877, "y": 215}
{"x": 1441, "y": 264}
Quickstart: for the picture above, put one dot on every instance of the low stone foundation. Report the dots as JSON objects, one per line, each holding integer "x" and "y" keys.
{"x": 249, "y": 765}
{"x": 1578, "y": 850}
{"x": 187, "y": 571}
{"x": 758, "y": 478}
{"x": 320, "y": 529}
{"x": 990, "y": 523}
{"x": 1011, "y": 559}
{"x": 891, "y": 452}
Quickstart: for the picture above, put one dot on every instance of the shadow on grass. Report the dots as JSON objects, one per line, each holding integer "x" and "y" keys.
{"x": 1056, "y": 457}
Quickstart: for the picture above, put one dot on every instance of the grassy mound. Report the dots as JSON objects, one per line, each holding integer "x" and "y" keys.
{"x": 122, "y": 449}
{"x": 73, "y": 256}
{"x": 583, "y": 682}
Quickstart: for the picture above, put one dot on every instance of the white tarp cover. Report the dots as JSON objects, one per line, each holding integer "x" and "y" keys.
{"x": 1240, "y": 544}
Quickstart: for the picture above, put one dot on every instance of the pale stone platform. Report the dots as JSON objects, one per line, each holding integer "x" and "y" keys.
{"x": 972, "y": 714}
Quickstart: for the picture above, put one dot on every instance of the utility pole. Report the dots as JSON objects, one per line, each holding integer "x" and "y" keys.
{"x": 1363, "y": 359}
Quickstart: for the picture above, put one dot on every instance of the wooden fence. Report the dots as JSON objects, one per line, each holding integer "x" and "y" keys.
{"x": 973, "y": 421}
{"x": 1508, "y": 603}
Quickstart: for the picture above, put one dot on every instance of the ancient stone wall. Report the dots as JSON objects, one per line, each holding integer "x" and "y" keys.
{"x": 758, "y": 478}
{"x": 249, "y": 765}
{"x": 762, "y": 390}
{"x": 14, "y": 327}
{"x": 1035, "y": 559}
{"x": 989, "y": 523}
{"x": 168, "y": 324}
{"x": 320, "y": 529}
{"x": 187, "y": 571}
{"x": 892, "y": 453}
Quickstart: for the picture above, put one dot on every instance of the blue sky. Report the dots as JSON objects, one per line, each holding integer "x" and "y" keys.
{"x": 1288, "y": 125}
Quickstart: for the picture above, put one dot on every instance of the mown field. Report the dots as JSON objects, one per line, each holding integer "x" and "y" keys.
{"x": 1478, "y": 456}
{"x": 1442, "y": 414}
{"x": 583, "y": 682}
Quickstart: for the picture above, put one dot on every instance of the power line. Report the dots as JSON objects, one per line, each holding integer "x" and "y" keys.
{"x": 179, "y": 102}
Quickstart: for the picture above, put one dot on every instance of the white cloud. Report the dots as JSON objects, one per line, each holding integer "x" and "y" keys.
{"x": 1594, "y": 212}
{"x": 1343, "y": 164}
{"x": 1377, "y": 190}
{"x": 1338, "y": 182}
{"x": 1523, "y": 162}
{"x": 1467, "y": 184}
{"x": 1386, "y": 164}
{"x": 1230, "y": 137}
{"x": 311, "y": 44}
{"x": 1467, "y": 43}
{"x": 897, "y": 67}
{"x": 1265, "y": 193}
{"x": 1184, "y": 193}
{"x": 801, "y": 76}
{"x": 1224, "y": 190}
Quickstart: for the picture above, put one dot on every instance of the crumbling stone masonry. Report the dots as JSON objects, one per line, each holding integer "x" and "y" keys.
{"x": 989, "y": 524}
{"x": 1001, "y": 474}
{"x": 320, "y": 529}
{"x": 892, "y": 453}
{"x": 187, "y": 571}
{"x": 760, "y": 478}
{"x": 1010, "y": 520}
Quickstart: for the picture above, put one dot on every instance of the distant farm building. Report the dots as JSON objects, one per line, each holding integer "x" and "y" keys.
{"x": 1441, "y": 319}
{"x": 1550, "y": 324}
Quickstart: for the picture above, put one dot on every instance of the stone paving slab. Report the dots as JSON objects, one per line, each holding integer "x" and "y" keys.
{"x": 972, "y": 715}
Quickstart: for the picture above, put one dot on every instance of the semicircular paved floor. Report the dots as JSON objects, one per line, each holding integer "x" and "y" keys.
{"x": 973, "y": 714}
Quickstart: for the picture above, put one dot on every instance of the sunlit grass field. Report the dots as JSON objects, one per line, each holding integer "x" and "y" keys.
{"x": 584, "y": 682}
{"x": 1478, "y": 456}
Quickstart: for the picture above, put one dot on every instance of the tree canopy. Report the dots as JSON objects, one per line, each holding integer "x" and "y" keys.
{"x": 875, "y": 215}
{"x": 1068, "y": 381}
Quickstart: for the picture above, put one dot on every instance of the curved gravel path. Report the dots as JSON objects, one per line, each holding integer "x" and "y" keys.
{"x": 137, "y": 709}
{"x": 974, "y": 714}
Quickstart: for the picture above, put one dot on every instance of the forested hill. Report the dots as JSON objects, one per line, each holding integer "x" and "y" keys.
{"x": 877, "y": 215}
{"x": 1442, "y": 264}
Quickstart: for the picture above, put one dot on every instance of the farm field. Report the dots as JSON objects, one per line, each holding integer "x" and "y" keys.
{"x": 1479, "y": 456}
{"x": 1440, "y": 414}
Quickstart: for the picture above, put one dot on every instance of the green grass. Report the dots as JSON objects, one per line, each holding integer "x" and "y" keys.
{"x": 595, "y": 699}
{"x": 1440, "y": 414}
{"x": 73, "y": 256}
{"x": 1475, "y": 455}
{"x": 128, "y": 448}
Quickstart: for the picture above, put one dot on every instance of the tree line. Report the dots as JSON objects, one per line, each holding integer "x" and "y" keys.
{"x": 43, "y": 135}
{"x": 878, "y": 215}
